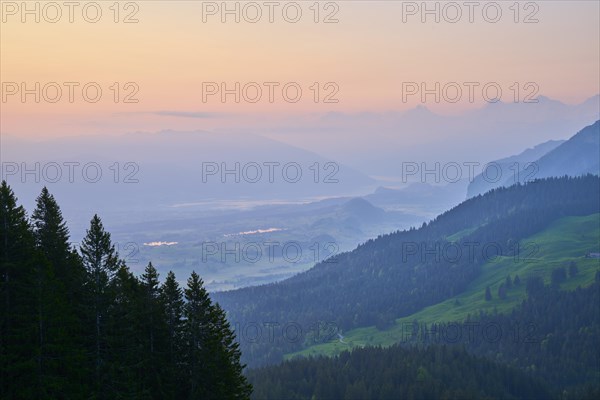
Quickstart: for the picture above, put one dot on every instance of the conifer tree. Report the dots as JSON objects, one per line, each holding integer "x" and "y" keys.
{"x": 198, "y": 341}
{"x": 59, "y": 279}
{"x": 233, "y": 383}
{"x": 101, "y": 262}
{"x": 154, "y": 331}
{"x": 172, "y": 300}
{"x": 16, "y": 308}
{"x": 51, "y": 233}
{"x": 488, "y": 294}
{"x": 124, "y": 336}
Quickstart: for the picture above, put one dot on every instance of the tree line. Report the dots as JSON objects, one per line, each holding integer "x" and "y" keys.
{"x": 436, "y": 372}
{"x": 79, "y": 324}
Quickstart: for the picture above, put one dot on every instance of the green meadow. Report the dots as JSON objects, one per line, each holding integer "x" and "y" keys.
{"x": 567, "y": 240}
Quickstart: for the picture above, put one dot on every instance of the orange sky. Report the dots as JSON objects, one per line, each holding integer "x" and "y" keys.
{"x": 365, "y": 57}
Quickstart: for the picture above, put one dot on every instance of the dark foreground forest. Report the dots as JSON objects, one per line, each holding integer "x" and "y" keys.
{"x": 80, "y": 325}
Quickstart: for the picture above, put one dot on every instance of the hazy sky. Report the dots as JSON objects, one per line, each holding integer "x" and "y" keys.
{"x": 366, "y": 60}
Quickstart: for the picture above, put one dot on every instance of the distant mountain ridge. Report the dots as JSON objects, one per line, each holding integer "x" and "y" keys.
{"x": 577, "y": 156}
{"x": 381, "y": 142}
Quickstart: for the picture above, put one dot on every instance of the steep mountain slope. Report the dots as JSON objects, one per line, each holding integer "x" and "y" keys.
{"x": 577, "y": 156}
{"x": 398, "y": 274}
{"x": 481, "y": 184}
{"x": 565, "y": 242}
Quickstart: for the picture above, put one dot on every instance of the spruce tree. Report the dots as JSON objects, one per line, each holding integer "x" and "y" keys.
{"x": 17, "y": 305}
{"x": 151, "y": 293}
{"x": 101, "y": 262}
{"x": 517, "y": 280}
{"x": 488, "y": 294}
{"x": 155, "y": 334}
{"x": 198, "y": 341}
{"x": 213, "y": 354}
{"x": 59, "y": 280}
{"x": 172, "y": 301}
{"x": 124, "y": 336}
{"x": 233, "y": 383}
{"x": 51, "y": 233}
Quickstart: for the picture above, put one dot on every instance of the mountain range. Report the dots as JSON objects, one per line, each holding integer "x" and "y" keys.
{"x": 576, "y": 156}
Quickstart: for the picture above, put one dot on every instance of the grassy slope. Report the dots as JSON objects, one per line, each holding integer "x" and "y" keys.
{"x": 566, "y": 240}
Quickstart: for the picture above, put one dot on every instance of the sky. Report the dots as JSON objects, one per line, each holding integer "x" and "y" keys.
{"x": 164, "y": 64}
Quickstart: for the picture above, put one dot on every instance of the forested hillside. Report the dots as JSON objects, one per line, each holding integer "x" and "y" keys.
{"x": 547, "y": 339}
{"x": 79, "y": 325}
{"x": 398, "y": 274}
{"x": 438, "y": 372}
{"x": 549, "y": 335}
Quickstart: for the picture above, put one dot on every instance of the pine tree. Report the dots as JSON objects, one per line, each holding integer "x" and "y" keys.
{"x": 212, "y": 354}
{"x": 59, "y": 279}
{"x": 488, "y": 294}
{"x": 51, "y": 233}
{"x": 151, "y": 289}
{"x": 124, "y": 336}
{"x": 172, "y": 301}
{"x": 233, "y": 383}
{"x": 17, "y": 311}
{"x": 517, "y": 280}
{"x": 101, "y": 262}
{"x": 155, "y": 333}
{"x": 198, "y": 315}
